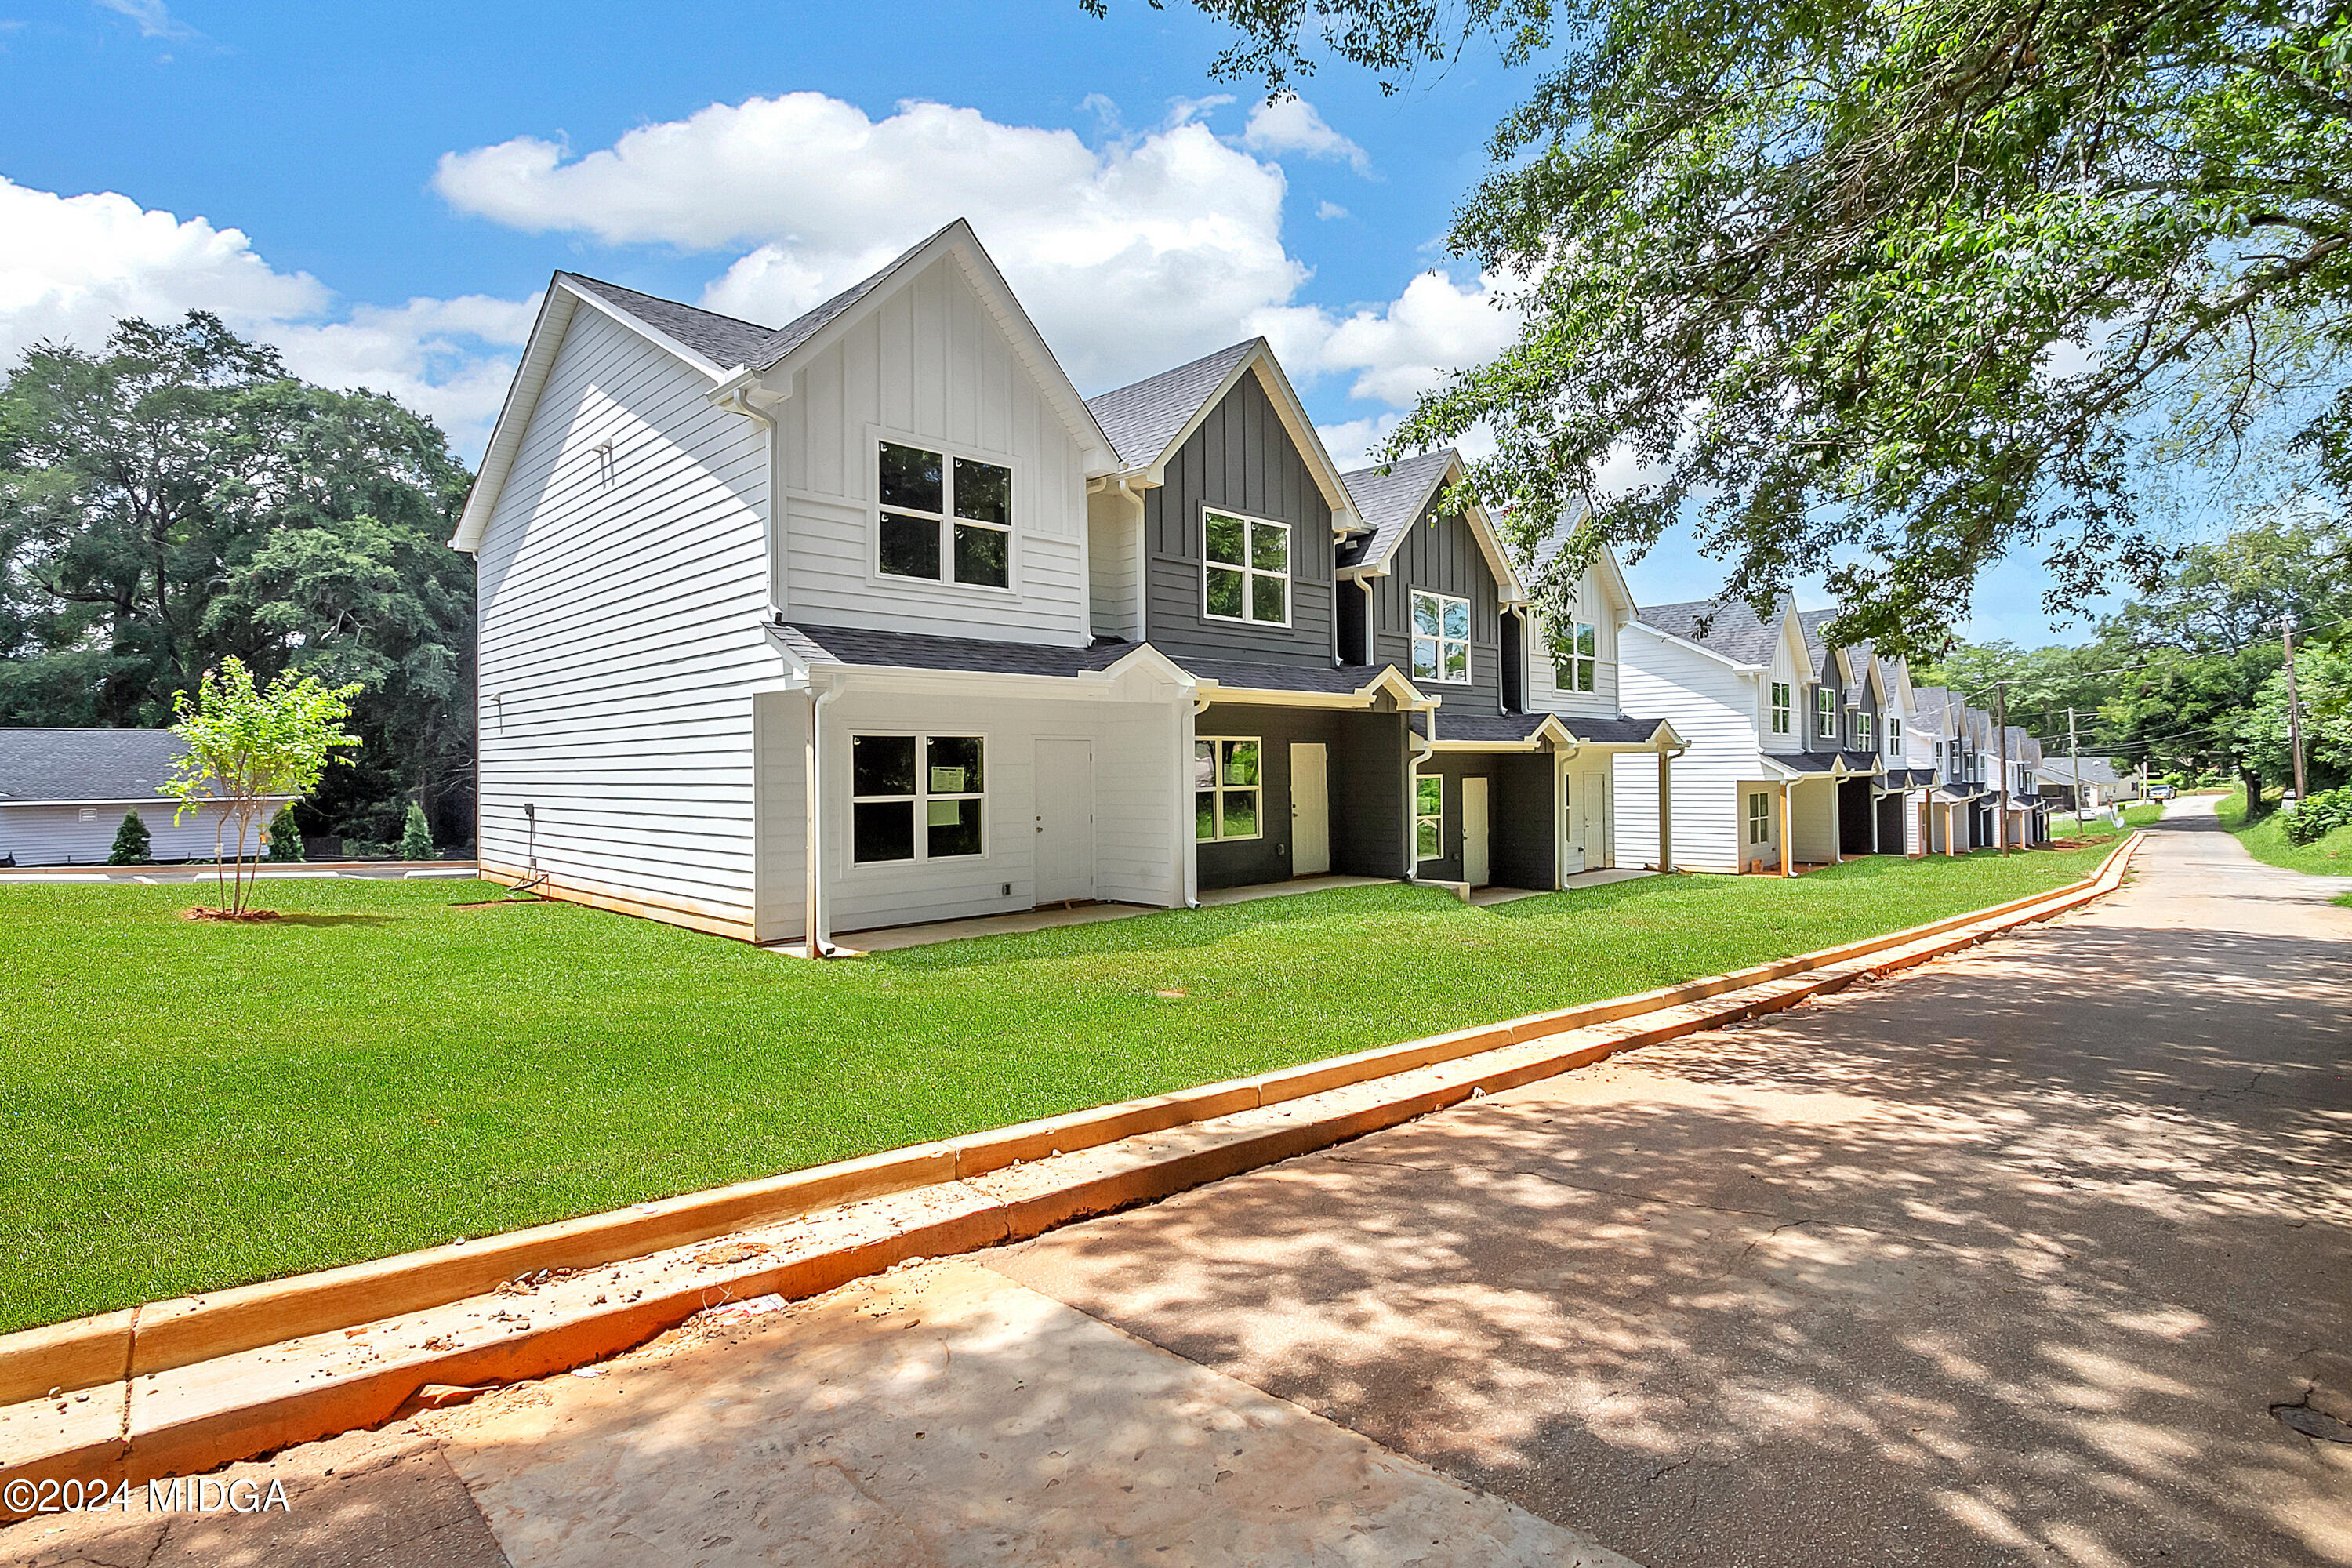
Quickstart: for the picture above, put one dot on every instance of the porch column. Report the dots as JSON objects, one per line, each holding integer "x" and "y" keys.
{"x": 1787, "y": 831}
{"x": 1837, "y": 823}
{"x": 1665, "y": 814}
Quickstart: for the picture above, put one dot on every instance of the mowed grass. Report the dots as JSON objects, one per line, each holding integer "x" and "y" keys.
{"x": 188, "y": 1105}
{"x": 2329, "y": 856}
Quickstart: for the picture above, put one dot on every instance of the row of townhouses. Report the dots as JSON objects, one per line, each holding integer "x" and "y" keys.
{"x": 872, "y": 619}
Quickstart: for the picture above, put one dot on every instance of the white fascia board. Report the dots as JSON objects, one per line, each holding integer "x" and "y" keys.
{"x": 556, "y": 309}
{"x": 1097, "y": 457}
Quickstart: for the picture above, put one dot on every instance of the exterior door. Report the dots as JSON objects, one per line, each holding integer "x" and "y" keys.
{"x": 1474, "y": 832}
{"x": 1065, "y": 821}
{"x": 1310, "y": 810}
{"x": 1594, "y": 790}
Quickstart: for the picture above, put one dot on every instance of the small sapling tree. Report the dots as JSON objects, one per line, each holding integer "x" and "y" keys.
{"x": 131, "y": 844}
{"x": 285, "y": 837}
{"x": 416, "y": 836}
{"x": 247, "y": 746}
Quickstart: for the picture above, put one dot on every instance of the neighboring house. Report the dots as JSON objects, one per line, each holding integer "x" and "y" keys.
{"x": 1778, "y": 771}
{"x": 2103, "y": 783}
{"x": 1031, "y": 649}
{"x": 64, "y": 793}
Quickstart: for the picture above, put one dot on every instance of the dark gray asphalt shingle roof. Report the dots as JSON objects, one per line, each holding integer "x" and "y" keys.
{"x": 1453, "y": 725}
{"x": 1392, "y": 502}
{"x": 1286, "y": 678}
{"x": 726, "y": 341}
{"x": 1143, "y": 416}
{"x": 1728, "y": 627}
{"x": 912, "y": 650}
{"x": 1610, "y": 732}
{"x": 84, "y": 765}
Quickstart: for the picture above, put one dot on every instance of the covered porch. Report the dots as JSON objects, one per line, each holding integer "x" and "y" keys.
{"x": 1799, "y": 817}
{"x": 1531, "y": 800}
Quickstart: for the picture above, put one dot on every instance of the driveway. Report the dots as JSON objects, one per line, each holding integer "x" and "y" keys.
{"x": 2039, "y": 1255}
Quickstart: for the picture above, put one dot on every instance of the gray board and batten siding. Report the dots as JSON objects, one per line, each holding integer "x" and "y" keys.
{"x": 1365, "y": 764}
{"x": 1440, "y": 554}
{"x": 1241, "y": 459}
{"x": 1521, "y": 816}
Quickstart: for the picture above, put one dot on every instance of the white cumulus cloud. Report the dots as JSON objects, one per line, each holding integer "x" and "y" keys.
{"x": 1131, "y": 255}
{"x": 1295, "y": 125}
{"x": 1394, "y": 353}
{"x": 72, "y": 266}
{"x": 151, "y": 17}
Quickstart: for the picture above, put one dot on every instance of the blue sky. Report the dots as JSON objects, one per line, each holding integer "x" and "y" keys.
{"x": 382, "y": 189}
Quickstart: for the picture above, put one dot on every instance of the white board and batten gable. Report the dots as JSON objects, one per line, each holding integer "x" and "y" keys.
{"x": 1604, "y": 602}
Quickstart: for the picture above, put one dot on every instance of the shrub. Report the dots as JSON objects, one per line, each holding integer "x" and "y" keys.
{"x": 2322, "y": 814}
{"x": 417, "y": 838}
{"x": 285, "y": 837}
{"x": 132, "y": 845}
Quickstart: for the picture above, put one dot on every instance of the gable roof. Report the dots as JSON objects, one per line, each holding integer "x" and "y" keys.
{"x": 733, "y": 353}
{"x": 1728, "y": 628}
{"x": 110, "y": 765}
{"x": 1391, "y": 503}
{"x": 1148, "y": 420}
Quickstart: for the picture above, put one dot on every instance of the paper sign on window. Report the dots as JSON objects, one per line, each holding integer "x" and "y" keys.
{"x": 945, "y": 813}
{"x": 946, "y": 781}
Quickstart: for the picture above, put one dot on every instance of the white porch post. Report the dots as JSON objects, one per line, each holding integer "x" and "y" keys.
{"x": 1787, "y": 830}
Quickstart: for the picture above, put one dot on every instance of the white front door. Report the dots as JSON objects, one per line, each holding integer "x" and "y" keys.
{"x": 1310, "y": 810}
{"x": 1473, "y": 831}
{"x": 1594, "y": 792}
{"x": 1065, "y": 821}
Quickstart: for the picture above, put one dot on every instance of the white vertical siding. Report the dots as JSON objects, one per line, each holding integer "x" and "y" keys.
{"x": 620, "y": 602}
{"x": 1713, "y": 708}
{"x": 1114, "y": 549}
{"x": 1544, "y": 692}
{"x": 929, "y": 365}
{"x": 56, "y": 835}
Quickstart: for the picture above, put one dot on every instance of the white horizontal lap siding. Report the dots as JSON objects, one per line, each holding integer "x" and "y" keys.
{"x": 56, "y": 835}
{"x": 1813, "y": 817}
{"x": 1544, "y": 692}
{"x": 1113, "y": 543}
{"x": 1135, "y": 803}
{"x": 620, "y": 636}
{"x": 929, "y": 365}
{"x": 1712, "y": 708}
{"x": 1634, "y": 798}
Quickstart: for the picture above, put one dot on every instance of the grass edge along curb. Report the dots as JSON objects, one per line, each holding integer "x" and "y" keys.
{"x": 235, "y": 1407}
{"x": 83, "y": 1352}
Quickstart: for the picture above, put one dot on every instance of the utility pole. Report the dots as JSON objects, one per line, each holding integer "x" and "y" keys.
{"x": 2074, "y": 751}
{"x": 2294, "y": 707}
{"x": 2000, "y": 723}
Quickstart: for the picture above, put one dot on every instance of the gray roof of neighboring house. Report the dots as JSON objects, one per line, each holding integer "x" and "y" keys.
{"x": 1392, "y": 502}
{"x": 727, "y": 342}
{"x": 911, "y": 650}
{"x": 1143, "y": 416}
{"x": 1730, "y": 627}
{"x": 1334, "y": 679}
{"x": 2095, "y": 770}
{"x": 1504, "y": 728}
{"x": 85, "y": 764}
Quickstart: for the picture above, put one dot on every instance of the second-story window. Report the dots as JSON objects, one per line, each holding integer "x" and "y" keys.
{"x": 1864, "y": 739}
{"x": 1441, "y": 638}
{"x": 1780, "y": 705}
{"x": 1576, "y": 657}
{"x": 1894, "y": 736}
{"x": 945, "y": 519}
{"x": 1246, "y": 562}
{"x": 1825, "y": 711}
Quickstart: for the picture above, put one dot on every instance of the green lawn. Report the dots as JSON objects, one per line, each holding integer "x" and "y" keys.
{"x": 2266, "y": 841}
{"x": 188, "y": 1105}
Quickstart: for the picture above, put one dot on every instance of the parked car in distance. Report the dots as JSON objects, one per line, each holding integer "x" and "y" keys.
{"x": 2161, "y": 791}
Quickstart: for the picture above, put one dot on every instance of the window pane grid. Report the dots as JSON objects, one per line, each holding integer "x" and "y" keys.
{"x": 916, "y": 797}
{"x": 1576, "y": 657}
{"x": 1441, "y": 638}
{"x": 1226, "y": 781}
{"x": 942, "y": 519}
{"x": 1246, "y": 569}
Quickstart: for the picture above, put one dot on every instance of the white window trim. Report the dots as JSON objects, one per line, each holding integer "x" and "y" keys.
{"x": 948, "y": 452}
{"x": 1468, "y": 639}
{"x": 1755, "y": 818}
{"x": 1420, "y": 816}
{"x": 1782, "y": 698}
{"x": 1221, "y": 789}
{"x": 1865, "y": 735}
{"x": 1575, "y": 658}
{"x": 922, "y": 738}
{"x": 1825, "y": 714}
{"x": 1250, "y": 573}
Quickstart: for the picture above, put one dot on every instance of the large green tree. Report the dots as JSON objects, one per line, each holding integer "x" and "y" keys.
{"x": 1887, "y": 289}
{"x": 177, "y": 498}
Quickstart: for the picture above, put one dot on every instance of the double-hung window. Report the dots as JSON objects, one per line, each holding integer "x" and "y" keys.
{"x": 1246, "y": 567}
{"x": 1825, "y": 706}
{"x": 1760, "y": 817}
{"x": 1441, "y": 638}
{"x": 1864, "y": 739}
{"x": 1576, "y": 657}
{"x": 1894, "y": 737}
{"x": 1226, "y": 786}
{"x": 947, "y": 519}
{"x": 915, "y": 797}
{"x": 1428, "y": 817}
{"x": 1780, "y": 705}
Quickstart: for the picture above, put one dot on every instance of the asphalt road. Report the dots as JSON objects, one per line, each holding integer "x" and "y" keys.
{"x": 2007, "y": 1260}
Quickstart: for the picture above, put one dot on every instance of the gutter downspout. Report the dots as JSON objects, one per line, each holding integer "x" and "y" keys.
{"x": 813, "y": 911}
{"x": 1417, "y": 750}
{"x": 1666, "y": 755}
{"x": 1189, "y": 843}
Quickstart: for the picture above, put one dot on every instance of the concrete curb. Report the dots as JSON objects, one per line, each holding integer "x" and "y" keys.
{"x": 204, "y": 1380}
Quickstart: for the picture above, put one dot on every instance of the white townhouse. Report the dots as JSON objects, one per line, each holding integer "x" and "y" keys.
{"x": 718, "y": 560}
{"x": 1783, "y": 765}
